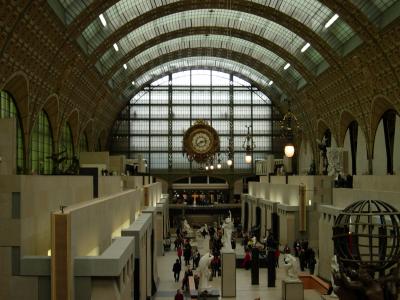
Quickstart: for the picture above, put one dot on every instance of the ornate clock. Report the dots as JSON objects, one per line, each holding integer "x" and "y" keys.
{"x": 200, "y": 141}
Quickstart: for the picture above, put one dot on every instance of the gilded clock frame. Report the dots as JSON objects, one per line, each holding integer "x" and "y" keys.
{"x": 188, "y": 148}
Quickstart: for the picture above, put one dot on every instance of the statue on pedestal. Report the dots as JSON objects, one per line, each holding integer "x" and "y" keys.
{"x": 291, "y": 267}
{"x": 186, "y": 227}
{"x": 227, "y": 227}
{"x": 204, "y": 272}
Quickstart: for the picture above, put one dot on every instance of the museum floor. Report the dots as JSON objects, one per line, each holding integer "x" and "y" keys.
{"x": 245, "y": 291}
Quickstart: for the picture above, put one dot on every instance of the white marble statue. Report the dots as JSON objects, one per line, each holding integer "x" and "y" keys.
{"x": 335, "y": 163}
{"x": 227, "y": 237}
{"x": 204, "y": 272}
{"x": 334, "y": 269}
{"x": 290, "y": 264}
{"x": 186, "y": 227}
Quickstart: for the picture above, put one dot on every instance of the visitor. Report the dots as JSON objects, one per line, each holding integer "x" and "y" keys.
{"x": 179, "y": 295}
{"x": 179, "y": 252}
{"x": 196, "y": 259}
{"x": 187, "y": 252}
{"x": 247, "y": 260}
{"x": 185, "y": 281}
{"x": 311, "y": 261}
{"x": 177, "y": 270}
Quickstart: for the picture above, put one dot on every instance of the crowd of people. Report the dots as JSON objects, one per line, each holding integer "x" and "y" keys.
{"x": 268, "y": 249}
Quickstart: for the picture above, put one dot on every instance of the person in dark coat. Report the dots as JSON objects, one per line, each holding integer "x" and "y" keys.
{"x": 177, "y": 270}
{"x": 271, "y": 265}
{"x": 311, "y": 261}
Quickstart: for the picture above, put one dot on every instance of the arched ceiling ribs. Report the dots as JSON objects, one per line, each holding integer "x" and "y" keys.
{"x": 270, "y": 32}
{"x": 217, "y": 42}
{"x": 313, "y": 14}
{"x": 118, "y": 61}
{"x": 103, "y": 40}
{"x": 220, "y": 53}
{"x": 208, "y": 63}
{"x": 352, "y": 15}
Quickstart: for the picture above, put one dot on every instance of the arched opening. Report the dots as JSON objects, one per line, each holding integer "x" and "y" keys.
{"x": 83, "y": 143}
{"x": 8, "y": 109}
{"x": 225, "y": 101}
{"x": 98, "y": 145}
{"x": 66, "y": 145}
{"x": 350, "y": 145}
{"x": 41, "y": 146}
{"x": 385, "y": 144}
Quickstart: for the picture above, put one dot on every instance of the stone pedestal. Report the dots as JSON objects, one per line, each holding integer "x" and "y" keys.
{"x": 228, "y": 270}
{"x": 292, "y": 290}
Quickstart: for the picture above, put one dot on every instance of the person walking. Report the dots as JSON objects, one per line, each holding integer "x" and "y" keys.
{"x": 179, "y": 252}
{"x": 177, "y": 270}
{"x": 179, "y": 295}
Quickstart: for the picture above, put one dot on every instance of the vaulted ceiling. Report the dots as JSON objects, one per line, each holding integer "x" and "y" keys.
{"x": 293, "y": 49}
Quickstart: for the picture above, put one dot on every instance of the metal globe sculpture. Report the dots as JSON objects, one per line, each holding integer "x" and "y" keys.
{"x": 367, "y": 234}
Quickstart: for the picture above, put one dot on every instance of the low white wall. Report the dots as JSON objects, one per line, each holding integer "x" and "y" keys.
{"x": 344, "y": 197}
{"x": 95, "y": 158}
{"x": 109, "y": 185}
{"x": 132, "y": 182}
{"x": 259, "y": 189}
{"x": 284, "y": 193}
{"x": 379, "y": 183}
{"x": 95, "y": 223}
{"x": 40, "y": 195}
{"x": 278, "y": 179}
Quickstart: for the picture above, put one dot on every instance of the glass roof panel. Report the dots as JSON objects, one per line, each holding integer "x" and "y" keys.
{"x": 373, "y": 9}
{"x": 311, "y": 13}
{"x": 204, "y": 62}
{"x": 219, "y": 18}
{"x": 73, "y": 8}
{"x": 212, "y": 41}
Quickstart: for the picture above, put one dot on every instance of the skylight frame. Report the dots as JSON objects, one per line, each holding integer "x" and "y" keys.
{"x": 216, "y": 42}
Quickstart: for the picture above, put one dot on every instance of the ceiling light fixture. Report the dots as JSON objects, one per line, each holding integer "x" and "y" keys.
{"x": 331, "y": 21}
{"x": 103, "y": 20}
{"x": 270, "y": 83}
{"x": 248, "y": 145}
{"x": 115, "y": 47}
{"x": 125, "y": 66}
{"x": 305, "y": 47}
{"x": 286, "y": 66}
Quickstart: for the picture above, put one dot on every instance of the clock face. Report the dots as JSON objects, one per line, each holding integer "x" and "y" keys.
{"x": 200, "y": 141}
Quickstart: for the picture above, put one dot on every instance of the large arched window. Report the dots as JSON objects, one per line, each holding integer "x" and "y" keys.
{"x": 66, "y": 144}
{"x": 8, "y": 109}
{"x": 41, "y": 145}
{"x": 154, "y": 121}
{"x": 83, "y": 143}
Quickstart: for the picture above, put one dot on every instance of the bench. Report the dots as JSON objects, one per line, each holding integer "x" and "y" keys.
{"x": 314, "y": 283}
{"x": 192, "y": 288}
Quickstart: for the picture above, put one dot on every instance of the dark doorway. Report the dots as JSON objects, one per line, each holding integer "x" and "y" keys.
{"x": 257, "y": 227}
{"x": 275, "y": 225}
{"x": 246, "y": 217}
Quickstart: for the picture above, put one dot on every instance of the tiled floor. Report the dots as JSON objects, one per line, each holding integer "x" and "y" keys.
{"x": 245, "y": 291}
